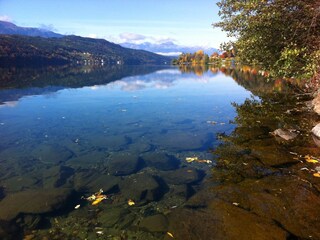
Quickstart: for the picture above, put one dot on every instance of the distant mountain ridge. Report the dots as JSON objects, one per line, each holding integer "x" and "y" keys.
{"x": 12, "y": 29}
{"x": 18, "y": 50}
{"x": 168, "y": 48}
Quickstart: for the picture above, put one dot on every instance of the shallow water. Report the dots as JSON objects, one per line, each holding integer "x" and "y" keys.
{"x": 66, "y": 133}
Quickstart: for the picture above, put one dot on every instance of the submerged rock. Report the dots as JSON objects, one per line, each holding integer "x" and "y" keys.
{"x": 57, "y": 176}
{"x": 19, "y": 183}
{"x": 141, "y": 187}
{"x": 161, "y": 161}
{"x": 221, "y": 221}
{"x": 125, "y": 163}
{"x": 182, "y": 141}
{"x": 184, "y": 175}
{"x": 112, "y": 216}
{"x": 52, "y": 154}
{"x": 155, "y": 223}
{"x": 33, "y": 202}
{"x": 286, "y": 134}
{"x": 92, "y": 181}
{"x": 89, "y": 160}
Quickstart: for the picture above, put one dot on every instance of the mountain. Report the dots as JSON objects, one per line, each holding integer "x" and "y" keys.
{"x": 168, "y": 48}
{"x": 17, "y": 50}
{"x": 12, "y": 29}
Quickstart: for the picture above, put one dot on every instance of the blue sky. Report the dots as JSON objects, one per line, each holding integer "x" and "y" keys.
{"x": 186, "y": 22}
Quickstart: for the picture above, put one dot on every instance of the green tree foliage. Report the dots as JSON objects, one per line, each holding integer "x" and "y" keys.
{"x": 282, "y": 36}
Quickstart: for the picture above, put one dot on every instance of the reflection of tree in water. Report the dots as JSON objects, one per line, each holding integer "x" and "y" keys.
{"x": 199, "y": 70}
{"x": 251, "y": 143}
{"x": 258, "y": 190}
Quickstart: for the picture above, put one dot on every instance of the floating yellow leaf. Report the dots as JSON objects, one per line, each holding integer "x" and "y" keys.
{"x": 170, "y": 234}
{"x": 98, "y": 200}
{"x": 131, "y": 202}
{"x": 310, "y": 160}
{"x": 316, "y": 174}
{"x": 191, "y": 159}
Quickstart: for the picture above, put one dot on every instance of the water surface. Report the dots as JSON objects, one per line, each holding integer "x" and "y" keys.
{"x": 66, "y": 133}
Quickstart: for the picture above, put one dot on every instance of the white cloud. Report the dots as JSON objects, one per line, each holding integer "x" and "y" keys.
{"x": 169, "y": 54}
{"x": 129, "y": 37}
{"x": 92, "y": 35}
{"x": 5, "y": 18}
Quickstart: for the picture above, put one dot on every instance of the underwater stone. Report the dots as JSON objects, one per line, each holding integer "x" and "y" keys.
{"x": 57, "y": 176}
{"x": 285, "y": 134}
{"x": 155, "y": 223}
{"x": 33, "y": 202}
{"x": 223, "y": 221}
{"x": 113, "y": 215}
{"x": 125, "y": 163}
{"x": 51, "y": 154}
{"x": 184, "y": 175}
{"x": 161, "y": 161}
{"x": 91, "y": 181}
{"x": 141, "y": 187}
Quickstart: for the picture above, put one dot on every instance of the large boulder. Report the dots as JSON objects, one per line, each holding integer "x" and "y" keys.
{"x": 57, "y": 176}
{"x": 155, "y": 223}
{"x": 91, "y": 181}
{"x": 221, "y": 221}
{"x": 33, "y": 202}
{"x": 184, "y": 175}
{"x": 161, "y": 161}
{"x": 51, "y": 154}
{"x": 141, "y": 187}
{"x": 124, "y": 163}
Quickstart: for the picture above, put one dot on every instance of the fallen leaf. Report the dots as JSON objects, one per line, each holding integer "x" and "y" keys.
{"x": 76, "y": 207}
{"x": 170, "y": 234}
{"x": 316, "y": 174}
{"x": 311, "y": 160}
{"x": 98, "y": 200}
{"x": 131, "y": 202}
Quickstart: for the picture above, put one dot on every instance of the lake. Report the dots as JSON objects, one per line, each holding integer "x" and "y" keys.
{"x": 151, "y": 152}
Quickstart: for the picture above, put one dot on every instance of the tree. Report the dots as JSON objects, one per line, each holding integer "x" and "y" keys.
{"x": 282, "y": 36}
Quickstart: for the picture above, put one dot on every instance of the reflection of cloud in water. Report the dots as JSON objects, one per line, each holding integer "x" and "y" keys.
{"x": 163, "y": 85}
{"x": 161, "y": 79}
{"x": 132, "y": 86}
{"x": 169, "y": 71}
{"x": 95, "y": 87}
{"x": 10, "y": 104}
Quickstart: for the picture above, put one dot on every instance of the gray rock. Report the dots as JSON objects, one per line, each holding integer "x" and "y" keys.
{"x": 51, "y": 154}
{"x": 33, "y": 202}
{"x": 125, "y": 163}
{"x": 185, "y": 175}
{"x": 181, "y": 141}
{"x": 56, "y": 176}
{"x": 161, "y": 161}
{"x": 286, "y": 134}
{"x": 140, "y": 187}
{"x": 91, "y": 181}
{"x": 316, "y": 130}
{"x": 89, "y": 160}
{"x": 155, "y": 223}
{"x": 112, "y": 216}
{"x": 19, "y": 183}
